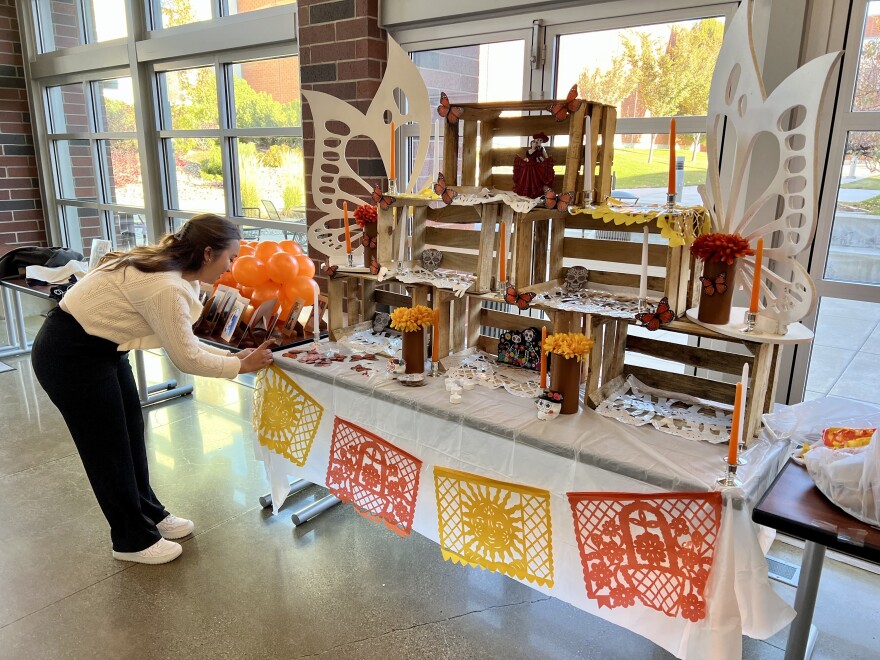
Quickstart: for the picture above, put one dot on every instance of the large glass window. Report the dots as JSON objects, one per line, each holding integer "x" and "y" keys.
{"x": 68, "y": 23}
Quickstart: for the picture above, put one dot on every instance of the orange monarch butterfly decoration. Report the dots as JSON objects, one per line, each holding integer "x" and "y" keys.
{"x": 563, "y": 109}
{"x": 662, "y": 315}
{"x": 521, "y": 300}
{"x": 711, "y": 286}
{"x": 559, "y": 202}
{"x": 328, "y": 270}
{"x": 442, "y": 191}
{"x": 369, "y": 241}
{"x": 374, "y": 266}
{"x": 384, "y": 201}
{"x": 451, "y": 113}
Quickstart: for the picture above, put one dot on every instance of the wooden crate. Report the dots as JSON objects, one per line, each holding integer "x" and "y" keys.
{"x": 607, "y": 370}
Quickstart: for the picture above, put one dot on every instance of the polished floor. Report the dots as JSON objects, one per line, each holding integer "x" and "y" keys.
{"x": 250, "y": 585}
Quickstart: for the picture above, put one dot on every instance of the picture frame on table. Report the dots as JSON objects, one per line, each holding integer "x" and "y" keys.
{"x": 262, "y": 322}
{"x": 225, "y": 297}
{"x": 233, "y": 318}
{"x": 289, "y": 326}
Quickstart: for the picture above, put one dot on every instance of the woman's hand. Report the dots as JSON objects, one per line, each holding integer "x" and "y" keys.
{"x": 241, "y": 355}
{"x": 257, "y": 358}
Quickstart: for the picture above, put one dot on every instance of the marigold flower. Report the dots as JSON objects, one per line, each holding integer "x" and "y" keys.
{"x": 410, "y": 319}
{"x": 365, "y": 214}
{"x": 568, "y": 345}
{"x": 718, "y": 248}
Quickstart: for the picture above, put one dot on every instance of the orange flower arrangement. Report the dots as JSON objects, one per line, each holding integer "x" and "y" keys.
{"x": 719, "y": 248}
{"x": 410, "y": 319}
{"x": 568, "y": 345}
{"x": 366, "y": 214}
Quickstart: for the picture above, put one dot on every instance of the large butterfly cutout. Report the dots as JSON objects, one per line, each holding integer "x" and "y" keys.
{"x": 442, "y": 191}
{"x": 563, "y": 109}
{"x": 660, "y": 316}
{"x": 554, "y": 201}
{"x": 712, "y": 286}
{"x": 452, "y": 113}
{"x": 521, "y": 300}
{"x": 369, "y": 241}
{"x": 384, "y": 201}
{"x": 328, "y": 270}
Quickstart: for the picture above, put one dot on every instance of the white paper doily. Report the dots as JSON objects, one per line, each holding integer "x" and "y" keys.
{"x": 589, "y": 301}
{"x": 450, "y": 280}
{"x": 365, "y": 341}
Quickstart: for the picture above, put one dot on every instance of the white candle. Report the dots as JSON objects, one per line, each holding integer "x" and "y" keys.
{"x": 316, "y": 329}
{"x": 589, "y": 163}
{"x": 401, "y": 222}
{"x": 436, "y": 149}
{"x": 643, "y": 280}
{"x": 742, "y": 410}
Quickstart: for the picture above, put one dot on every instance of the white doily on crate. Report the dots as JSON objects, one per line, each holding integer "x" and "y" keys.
{"x": 450, "y": 280}
{"x": 365, "y": 341}
{"x": 518, "y": 203}
{"x": 637, "y": 404}
{"x": 589, "y": 301}
{"x": 529, "y": 389}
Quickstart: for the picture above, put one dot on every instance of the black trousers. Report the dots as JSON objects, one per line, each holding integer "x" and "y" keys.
{"x": 92, "y": 384}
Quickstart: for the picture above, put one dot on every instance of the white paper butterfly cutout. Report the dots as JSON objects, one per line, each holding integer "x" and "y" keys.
{"x": 337, "y": 123}
{"x": 740, "y": 114}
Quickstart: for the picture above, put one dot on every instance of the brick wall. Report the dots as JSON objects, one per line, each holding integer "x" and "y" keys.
{"x": 342, "y": 53}
{"x": 21, "y": 213}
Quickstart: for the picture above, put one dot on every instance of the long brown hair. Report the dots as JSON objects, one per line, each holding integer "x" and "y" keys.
{"x": 183, "y": 251}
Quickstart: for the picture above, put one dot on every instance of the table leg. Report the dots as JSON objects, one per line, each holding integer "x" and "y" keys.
{"x": 314, "y": 510}
{"x": 800, "y": 640}
{"x": 295, "y": 487}
{"x": 150, "y": 394}
{"x": 16, "y": 332}
{"x": 19, "y": 319}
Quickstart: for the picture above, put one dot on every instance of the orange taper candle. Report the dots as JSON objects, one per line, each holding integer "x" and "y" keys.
{"x": 347, "y": 230}
{"x": 671, "y": 189}
{"x": 543, "y": 359}
{"x": 435, "y": 338}
{"x": 756, "y": 281}
{"x": 393, "y": 173}
{"x": 734, "y": 426}
{"x": 502, "y": 253}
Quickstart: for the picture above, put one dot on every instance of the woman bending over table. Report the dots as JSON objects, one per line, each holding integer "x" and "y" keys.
{"x": 145, "y": 298}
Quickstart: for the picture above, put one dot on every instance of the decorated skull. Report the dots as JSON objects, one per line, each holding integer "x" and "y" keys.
{"x": 576, "y": 279}
{"x": 549, "y": 405}
{"x": 431, "y": 259}
{"x": 381, "y": 321}
{"x": 396, "y": 366}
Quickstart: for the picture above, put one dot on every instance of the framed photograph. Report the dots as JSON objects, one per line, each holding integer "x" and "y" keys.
{"x": 289, "y": 325}
{"x": 233, "y": 318}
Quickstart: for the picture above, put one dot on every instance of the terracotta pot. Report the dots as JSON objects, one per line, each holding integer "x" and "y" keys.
{"x": 413, "y": 352}
{"x": 715, "y": 308}
{"x": 371, "y": 229}
{"x": 565, "y": 378}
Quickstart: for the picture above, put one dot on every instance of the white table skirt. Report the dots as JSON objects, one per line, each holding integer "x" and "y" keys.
{"x": 496, "y": 435}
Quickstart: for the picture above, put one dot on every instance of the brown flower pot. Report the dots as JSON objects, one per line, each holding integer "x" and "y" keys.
{"x": 413, "y": 352}
{"x": 715, "y": 308}
{"x": 565, "y": 378}
{"x": 371, "y": 229}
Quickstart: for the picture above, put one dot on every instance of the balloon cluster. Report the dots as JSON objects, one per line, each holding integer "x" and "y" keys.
{"x": 267, "y": 270}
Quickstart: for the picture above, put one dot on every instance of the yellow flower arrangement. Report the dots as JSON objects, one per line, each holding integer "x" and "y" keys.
{"x": 568, "y": 345}
{"x": 410, "y": 319}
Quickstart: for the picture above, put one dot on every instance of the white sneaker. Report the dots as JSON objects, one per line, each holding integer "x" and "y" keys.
{"x": 161, "y": 552}
{"x": 175, "y": 528}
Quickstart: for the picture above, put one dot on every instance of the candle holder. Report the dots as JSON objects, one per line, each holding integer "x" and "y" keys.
{"x": 751, "y": 323}
{"x": 350, "y": 260}
{"x": 435, "y": 370}
{"x": 588, "y": 199}
{"x": 643, "y": 305}
{"x": 741, "y": 447}
{"x": 729, "y": 480}
{"x": 670, "y": 202}
{"x": 392, "y": 187}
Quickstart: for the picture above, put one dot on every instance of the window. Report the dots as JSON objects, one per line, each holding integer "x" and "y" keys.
{"x": 68, "y": 23}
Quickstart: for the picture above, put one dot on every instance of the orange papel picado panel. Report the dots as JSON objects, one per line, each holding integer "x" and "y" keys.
{"x": 493, "y": 524}
{"x": 285, "y": 418}
{"x": 655, "y": 549}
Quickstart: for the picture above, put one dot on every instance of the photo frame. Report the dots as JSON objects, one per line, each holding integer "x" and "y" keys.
{"x": 233, "y": 318}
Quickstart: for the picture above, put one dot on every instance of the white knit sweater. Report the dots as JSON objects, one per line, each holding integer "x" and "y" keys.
{"x": 147, "y": 310}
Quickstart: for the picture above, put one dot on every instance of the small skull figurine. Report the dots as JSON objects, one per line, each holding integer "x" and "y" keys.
{"x": 576, "y": 279}
{"x": 549, "y": 405}
{"x": 381, "y": 321}
{"x": 431, "y": 259}
{"x": 396, "y": 366}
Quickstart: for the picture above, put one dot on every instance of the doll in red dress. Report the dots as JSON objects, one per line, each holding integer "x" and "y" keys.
{"x": 532, "y": 173}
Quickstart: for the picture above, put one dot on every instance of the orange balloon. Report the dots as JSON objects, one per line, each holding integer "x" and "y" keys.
{"x": 302, "y": 288}
{"x": 247, "y": 291}
{"x": 247, "y": 314}
{"x": 291, "y": 247}
{"x": 266, "y": 249}
{"x": 282, "y": 267}
{"x": 306, "y": 266}
{"x": 249, "y": 271}
{"x": 226, "y": 278}
{"x": 245, "y": 251}
{"x": 266, "y": 291}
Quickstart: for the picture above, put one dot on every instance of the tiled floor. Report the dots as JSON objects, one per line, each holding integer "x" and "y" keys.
{"x": 250, "y": 585}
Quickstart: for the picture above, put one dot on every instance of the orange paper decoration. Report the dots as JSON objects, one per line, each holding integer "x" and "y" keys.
{"x": 379, "y": 479}
{"x": 285, "y": 418}
{"x": 654, "y": 549}
{"x": 493, "y": 524}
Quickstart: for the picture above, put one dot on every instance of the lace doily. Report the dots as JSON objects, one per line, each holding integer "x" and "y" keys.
{"x": 637, "y": 404}
{"x": 589, "y": 301}
{"x": 364, "y": 341}
{"x": 450, "y": 280}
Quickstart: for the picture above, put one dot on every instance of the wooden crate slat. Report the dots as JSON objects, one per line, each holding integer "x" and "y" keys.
{"x": 522, "y": 126}
{"x": 392, "y": 299}
{"x": 450, "y": 153}
{"x": 466, "y": 239}
{"x": 575, "y": 153}
{"x": 467, "y": 263}
{"x": 503, "y": 156}
{"x": 683, "y": 384}
{"x": 488, "y": 344}
{"x": 608, "y": 278}
{"x": 469, "y": 154}
{"x": 492, "y": 318}
{"x": 455, "y": 214}
{"x": 703, "y": 358}
{"x": 616, "y": 251}
{"x": 486, "y": 128}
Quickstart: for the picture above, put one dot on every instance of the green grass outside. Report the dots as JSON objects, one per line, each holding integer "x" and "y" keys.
{"x": 634, "y": 171}
{"x": 869, "y": 183}
{"x": 870, "y": 206}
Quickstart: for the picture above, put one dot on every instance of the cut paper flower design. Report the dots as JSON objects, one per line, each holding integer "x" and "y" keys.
{"x": 379, "y": 479}
{"x": 495, "y": 525}
{"x": 285, "y": 417}
{"x": 654, "y": 549}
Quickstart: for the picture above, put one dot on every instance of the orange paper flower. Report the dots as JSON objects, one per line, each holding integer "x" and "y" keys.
{"x": 410, "y": 319}
{"x": 365, "y": 214}
{"x": 568, "y": 345}
{"x": 718, "y": 248}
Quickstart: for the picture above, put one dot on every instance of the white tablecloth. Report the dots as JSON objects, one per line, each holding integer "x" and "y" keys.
{"x": 496, "y": 435}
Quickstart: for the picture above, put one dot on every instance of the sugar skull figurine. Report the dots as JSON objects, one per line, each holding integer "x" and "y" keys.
{"x": 576, "y": 278}
{"x": 396, "y": 366}
{"x": 431, "y": 259}
{"x": 549, "y": 405}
